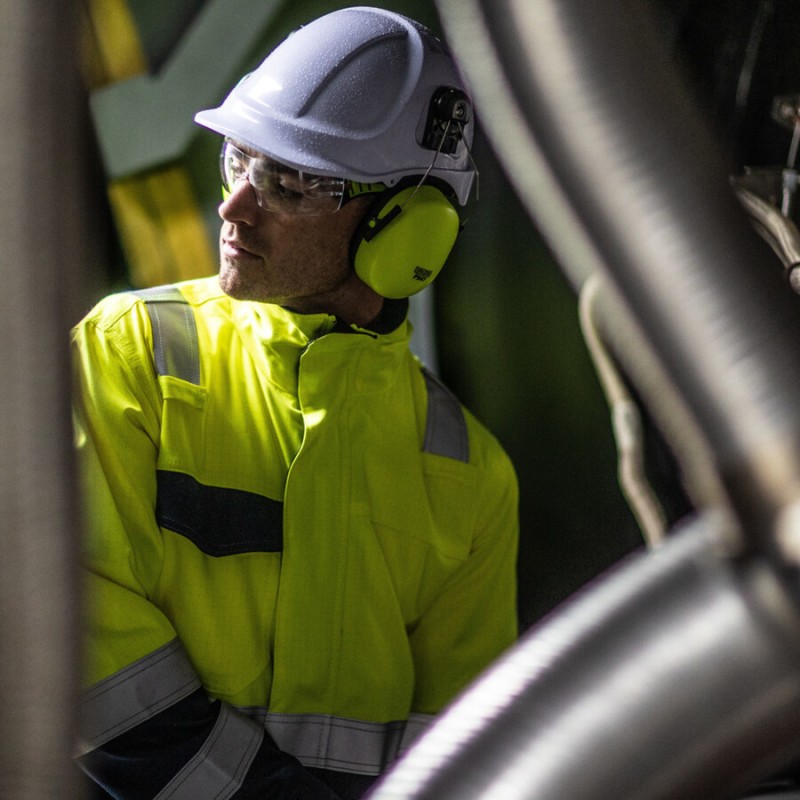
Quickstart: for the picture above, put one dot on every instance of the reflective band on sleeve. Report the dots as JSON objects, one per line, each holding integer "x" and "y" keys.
{"x": 134, "y": 694}
{"x": 218, "y": 769}
{"x": 175, "y": 345}
{"x": 338, "y": 743}
{"x": 445, "y": 429}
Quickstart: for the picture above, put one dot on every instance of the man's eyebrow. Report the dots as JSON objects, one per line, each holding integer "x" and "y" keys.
{"x": 248, "y": 151}
{"x": 275, "y": 166}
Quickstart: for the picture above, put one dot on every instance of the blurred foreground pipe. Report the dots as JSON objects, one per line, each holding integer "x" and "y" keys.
{"x": 674, "y": 677}
{"x": 620, "y": 172}
{"x": 41, "y": 265}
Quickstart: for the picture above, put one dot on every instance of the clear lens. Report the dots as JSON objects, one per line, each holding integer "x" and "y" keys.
{"x": 278, "y": 187}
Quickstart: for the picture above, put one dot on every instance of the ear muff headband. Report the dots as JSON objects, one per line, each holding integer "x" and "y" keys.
{"x": 404, "y": 240}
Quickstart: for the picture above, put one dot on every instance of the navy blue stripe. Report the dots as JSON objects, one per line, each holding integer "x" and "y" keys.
{"x": 220, "y": 522}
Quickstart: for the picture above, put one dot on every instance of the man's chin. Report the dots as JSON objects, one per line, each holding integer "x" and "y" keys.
{"x": 236, "y": 285}
{"x": 229, "y": 282}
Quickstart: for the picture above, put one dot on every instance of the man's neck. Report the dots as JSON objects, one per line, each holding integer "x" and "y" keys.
{"x": 353, "y": 303}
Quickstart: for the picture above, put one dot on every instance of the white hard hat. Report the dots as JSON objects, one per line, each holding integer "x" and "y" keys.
{"x": 360, "y": 93}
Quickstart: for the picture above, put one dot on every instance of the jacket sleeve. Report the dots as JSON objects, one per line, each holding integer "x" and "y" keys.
{"x": 473, "y": 619}
{"x": 148, "y": 728}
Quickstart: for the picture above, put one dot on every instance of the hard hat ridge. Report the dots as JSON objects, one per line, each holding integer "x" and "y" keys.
{"x": 349, "y": 95}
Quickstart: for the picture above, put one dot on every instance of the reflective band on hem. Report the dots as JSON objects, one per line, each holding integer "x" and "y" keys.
{"x": 415, "y": 726}
{"x": 218, "y": 769}
{"x": 446, "y": 429}
{"x": 134, "y": 694}
{"x": 339, "y": 743}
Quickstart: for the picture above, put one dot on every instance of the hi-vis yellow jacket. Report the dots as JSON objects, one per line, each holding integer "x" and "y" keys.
{"x": 288, "y": 514}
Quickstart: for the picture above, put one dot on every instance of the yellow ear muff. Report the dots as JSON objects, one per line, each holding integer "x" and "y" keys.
{"x": 400, "y": 248}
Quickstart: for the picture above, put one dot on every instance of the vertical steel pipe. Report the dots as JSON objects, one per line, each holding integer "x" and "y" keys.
{"x": 41, "y": 265}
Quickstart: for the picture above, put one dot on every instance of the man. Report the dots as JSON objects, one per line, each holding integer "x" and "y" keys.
{"x": 300, "y": 546}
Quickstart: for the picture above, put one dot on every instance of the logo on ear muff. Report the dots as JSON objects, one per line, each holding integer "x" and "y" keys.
{"x": 404, "y": 240}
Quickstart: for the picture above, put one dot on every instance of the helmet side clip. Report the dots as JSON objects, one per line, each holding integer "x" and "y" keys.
{"x": 448, "y": 112}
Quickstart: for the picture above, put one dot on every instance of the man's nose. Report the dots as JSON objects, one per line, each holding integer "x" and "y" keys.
{"x": 240, "y": 204}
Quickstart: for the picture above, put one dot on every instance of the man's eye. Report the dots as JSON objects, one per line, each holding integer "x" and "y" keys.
{"x": 235, "y": 168}
{"x": 288, "y": 188}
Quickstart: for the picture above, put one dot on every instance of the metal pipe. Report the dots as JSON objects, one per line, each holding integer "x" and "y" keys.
{"x": 777, "y": 230}
{"x": 42, "y": 232}
{"x": 674, "y": 677}
{"x": 583, "y": 97}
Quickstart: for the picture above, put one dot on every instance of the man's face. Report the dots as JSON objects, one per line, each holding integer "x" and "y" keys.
{"x": 298, "y": 261}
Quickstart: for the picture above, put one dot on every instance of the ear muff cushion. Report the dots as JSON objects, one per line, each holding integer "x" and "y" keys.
{"x": 402, "y": 244}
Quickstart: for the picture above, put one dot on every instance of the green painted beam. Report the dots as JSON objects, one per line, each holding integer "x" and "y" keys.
{"x": 148, "y": 120}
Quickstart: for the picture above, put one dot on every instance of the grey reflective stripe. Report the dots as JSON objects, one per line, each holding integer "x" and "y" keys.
{"x": 219, "y": 767}
{"x": 136, "y": 693}
{"x": 175, "y": 345}
{"x": 415, "y": 726}
{"x": 445, "y": 429}
{"x": 339, "y": 743}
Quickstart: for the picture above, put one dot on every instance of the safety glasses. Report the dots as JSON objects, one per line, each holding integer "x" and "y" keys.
{"x": 278, "y": 187}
